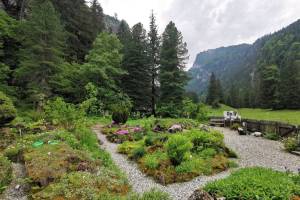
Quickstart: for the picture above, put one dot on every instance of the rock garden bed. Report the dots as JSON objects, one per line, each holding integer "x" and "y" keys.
{"x": 170, "y": 154}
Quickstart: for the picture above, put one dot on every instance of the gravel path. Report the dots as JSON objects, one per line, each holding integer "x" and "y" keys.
{"x": 16, "y": 190}
{"x": 255, "y": 151}
{"x": 252, "y": 152}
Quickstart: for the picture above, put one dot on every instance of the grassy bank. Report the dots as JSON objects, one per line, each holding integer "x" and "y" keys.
{"x": 287, "y": 116}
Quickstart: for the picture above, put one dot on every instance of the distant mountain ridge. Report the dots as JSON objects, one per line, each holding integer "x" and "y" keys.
{"x": 239, "y": 64}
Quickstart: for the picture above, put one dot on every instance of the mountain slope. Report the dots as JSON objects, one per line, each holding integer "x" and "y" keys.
{"x": 239, "y": 65}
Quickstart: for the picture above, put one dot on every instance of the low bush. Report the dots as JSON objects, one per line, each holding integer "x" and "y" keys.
{"x": 202, "y": 140}
{"x": 138, "y": 153}
{"x": 272, "y": 136}
{"x": 5, "y": 173}
{"x": 291, "y": 144}
{"x": 177, "y": 147}
{"x": 63, "y": 114}
{"x": 154, "y": 194}
{"x": 7, "y": 110}
{"x": 255, "y": 183}
{"x": 151, "y": 161}
{"x": 235, "y": 126}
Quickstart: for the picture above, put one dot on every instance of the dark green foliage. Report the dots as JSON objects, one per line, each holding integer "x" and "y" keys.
{"x": 120, "y": 112}
{"x": 8, "y": 50}
{"x": 272, "y": 136}
{"x": 255, "y": 183}
{"x": 82, "y": 23}
{"x": 138, "y": 153}
{"x": 41, "y": 55}
{"x": 5, "y": 173}
{"x": 7, "y": 110}
{"x": 269, "y": 86}
{"x": 137, "y": 82}
{"x": 172, "y": 76}
{"x": 215, "y": 94}
{"x": 153, "y": 51}
{"x": 120, "y": 116}
{"x": 177, "y": 148}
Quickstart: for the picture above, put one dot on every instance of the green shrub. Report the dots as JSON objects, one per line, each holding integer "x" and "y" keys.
{"x": 63, "y": 114}
{"x": 271, "y": 136}
{"x": 208, "y": 153}
{"x": 151, "y": 161}
{"x": 120, "y": 114}
{"x": 7, "y": 110}
{"x": 235, "y": 126}
{"x": 291, "y": 144}
{"x": 203, "y": 140}
{"x": 138, "y": 153}
{"x": 5, "y": 173}
{"x": 177, "y": 147}
{"x": 255, "y": 183}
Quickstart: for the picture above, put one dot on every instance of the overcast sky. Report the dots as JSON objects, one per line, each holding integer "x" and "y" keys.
{"x": 207, "y": 24}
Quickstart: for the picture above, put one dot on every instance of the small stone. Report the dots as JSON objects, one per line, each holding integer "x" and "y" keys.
{"x": 18, "y": 187}
{"x": 49, "y": 153}
{"x": 257, "y": 134}
{"x": 175, "y": 128}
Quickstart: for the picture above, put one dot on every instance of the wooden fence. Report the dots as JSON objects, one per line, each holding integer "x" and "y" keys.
{"x": 282, "y": 129}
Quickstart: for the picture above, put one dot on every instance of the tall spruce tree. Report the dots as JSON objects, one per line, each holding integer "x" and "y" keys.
{"x": 42, "y": 53}
{"x": 214, "y": 94}
{"x": 153, "y": 51}
{"x": 269, "y": 86}
{"x": 81, "y": 23}
{"x": 97, "y": 18}
{"x": 137, "y": 81}
{"x": 290, "y": 79}
{"x": 172, "y": 76}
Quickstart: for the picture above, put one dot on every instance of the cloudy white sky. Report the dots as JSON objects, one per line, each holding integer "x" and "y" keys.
{"x": 208, "y": 24}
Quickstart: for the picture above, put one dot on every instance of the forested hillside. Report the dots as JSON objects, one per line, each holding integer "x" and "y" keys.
{"x": 264, "y": 74}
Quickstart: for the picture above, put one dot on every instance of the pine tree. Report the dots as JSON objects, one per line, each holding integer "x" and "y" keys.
{"x": 153, "y": 51}
{"x": 172, "y": 76}
{"x": 214, "y": 91}
{"x": 97, "y": 18}
{"x": 80, "y": 22}
{"x": 41, "y": 56}
{"x": 269, "y": 86}
{"x": 137, "y": 82}
{"x": 290, "y": 79}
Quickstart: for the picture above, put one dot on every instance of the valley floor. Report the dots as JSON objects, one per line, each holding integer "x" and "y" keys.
{"x": 251, "y": 151}
{"x": 286, "y": 116}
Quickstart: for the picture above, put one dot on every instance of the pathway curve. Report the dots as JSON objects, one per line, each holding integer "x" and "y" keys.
{"x": 252, "y": 152}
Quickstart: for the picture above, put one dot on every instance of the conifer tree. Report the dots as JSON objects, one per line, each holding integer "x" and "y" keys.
{"x": 290, "y": 79}
{"x": 137, "y": 82}
{"x": 80, "y": 22}
{"x": 214, "y": 91}
{"x": 42, "y": 53}
{"x": 97, "y": 18}
{"x": 269, "y": 86}
{"x": 172, "y": 76}
{"x": 153, "y": 51}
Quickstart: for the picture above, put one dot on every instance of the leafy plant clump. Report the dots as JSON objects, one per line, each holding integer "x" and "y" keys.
{"x": 5, "y": 173}
{"x": 255, "y": 183}
{"x": 292, "y": 143}
{"x": 177, "y": 148}
{"x": 7, "y": 110}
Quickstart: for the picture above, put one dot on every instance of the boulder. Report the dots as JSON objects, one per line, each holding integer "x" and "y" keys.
{"x": 175, "y": 128}
{"x": 257, "y": 134}
{"x": 204, "y": 128}
{"x": 200, "y": 195}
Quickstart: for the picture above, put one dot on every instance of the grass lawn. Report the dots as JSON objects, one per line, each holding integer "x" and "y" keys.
{"x": 287, "y": 116}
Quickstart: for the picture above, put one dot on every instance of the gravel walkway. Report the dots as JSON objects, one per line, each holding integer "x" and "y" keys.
{"x": 252, "y": 152}
{"x": 16, "y": 190}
